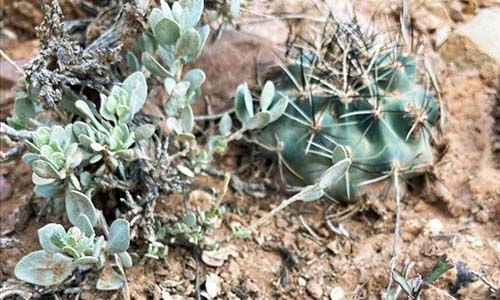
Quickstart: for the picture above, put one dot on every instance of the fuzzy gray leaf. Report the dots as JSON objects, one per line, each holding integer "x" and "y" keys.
{"x": 188, "y": 45}
{"x": 84, "y": 224}
{"x": 225, "y": 124}
{"x": 240, "y": 104}
{"x": 278, "y": 109}
{"x": 144, "y": 132}
{"x": 110, "y": 280}
{"x": 267, "y": 95}
{"x": 78, "y": 203}
{"x": 167, "y": 32}
{"x": 119, "y": 236}
{"x": 137, "y": 89}
{"x": 153, "y": 65}
{"x": 333, "y": 174}
{"x": 45, "y": 234}
{"x": 196, "y": 77}
{"x": 45, "y": 269}
{"x": 260, "y": 120}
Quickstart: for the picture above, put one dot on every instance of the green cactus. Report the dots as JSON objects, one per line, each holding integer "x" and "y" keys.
{"x": 353, "y": 100}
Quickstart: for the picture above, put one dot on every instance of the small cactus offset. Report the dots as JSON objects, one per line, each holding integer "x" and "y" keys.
{"x": 355, "y": 102}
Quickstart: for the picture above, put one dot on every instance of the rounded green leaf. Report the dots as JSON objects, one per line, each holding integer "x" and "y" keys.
{"x": 243, "y": 113}
{"x": 169, "y": 84}
{"x": 278, "y": 109}
{"x": 167, "y": 32}
{"x": 310, "y": 193}
{"x": 39, "y": 181}
{"x": 24, "y": 108}
{"x": 188, "y": 45}
{"x": 267, "y": 95}
{"x": 132, "y": 61}
{"x": 45, "y": 234}
{"x": 187, "y": 119}
{"x": 126, "y": 259}
{"x": 260, "y": 120}
{"x": 86, "y": 260}
{"x": 73, "y": 156}
{"x": 49, "y": 190}
{"x": 203, "y": 32}
{"x": 196, "y": 77}
{"x": 193, "y": 15}
{"x": 180, "y": 90}
{"x": 177, "y": 11}
{"x": 333, "y": 174}
{"x": 119, "y": 236}
{"x": 165, "y": 8}
{"x": 84, "y": 108}
{"x": 44, "y": 169}
{"x": 174, "y": 125}
{"x": 137, "y": 89}
{"x": 153, "y": 65}
{"x": 78, "y": 203}
{"x": 190, "y": 220}
{"x": 144, "y": 132}
{"x": 45, "y": 269}
{"x": 225, "y": 124}
{"x": 109, "y": 280}
{"x": 84, "y": 224}
{"x": 155, "y": 17}
{"x": 28, "y": 158}
{"x": 147, "y": 42}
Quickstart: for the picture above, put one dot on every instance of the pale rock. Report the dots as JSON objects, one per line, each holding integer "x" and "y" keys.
{"x": 484, "y": 31}
{"x": 212, "y": 285}
{"x": 434, "y": 226}
{"x": 301, "y": 281}
{"x": 337, "y": 293}
{"x": 314, "y": 289}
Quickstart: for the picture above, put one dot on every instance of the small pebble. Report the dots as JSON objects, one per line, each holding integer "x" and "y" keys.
{"x": 434, "y": 226}
{"x": 301, "y": 281}
{"x": 212, "y": 285}
{"x": 314, "y": 289}
{"x": 337, "y": 293}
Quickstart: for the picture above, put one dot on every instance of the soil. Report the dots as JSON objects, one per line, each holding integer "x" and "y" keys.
{"x": 297, "y": 255}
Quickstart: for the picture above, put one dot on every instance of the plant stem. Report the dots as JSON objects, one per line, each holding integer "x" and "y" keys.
{"x": 20, "y": 134}
{"x": 277, "y": 209}
{"x": 397, "y": 229}
{"x": 11, "y": 62}
{"x": 211, "y": 117}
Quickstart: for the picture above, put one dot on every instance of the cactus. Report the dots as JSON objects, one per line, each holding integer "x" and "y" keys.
{"x": 354, "y": 100}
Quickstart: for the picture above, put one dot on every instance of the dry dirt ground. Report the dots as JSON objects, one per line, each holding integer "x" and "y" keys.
{"x": 297, "y": 255}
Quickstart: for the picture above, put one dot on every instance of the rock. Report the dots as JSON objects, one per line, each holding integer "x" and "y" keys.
{"x": 434, "y": 226}
{"x": 441, "y": 35}
{"x": 475, "y": 43}
{"x": 212, "y": 285}
{"x": 484, "y": 30}
{"x": 337, "y": 293}
{"x": 216, "y": 258}
{"x": 301, "y": 281}
{"x": 5, "y": 188}
{"x": 314, "y": 289}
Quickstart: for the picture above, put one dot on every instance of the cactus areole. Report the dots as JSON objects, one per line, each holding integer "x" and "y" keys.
{"x": 352, "y": 99}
